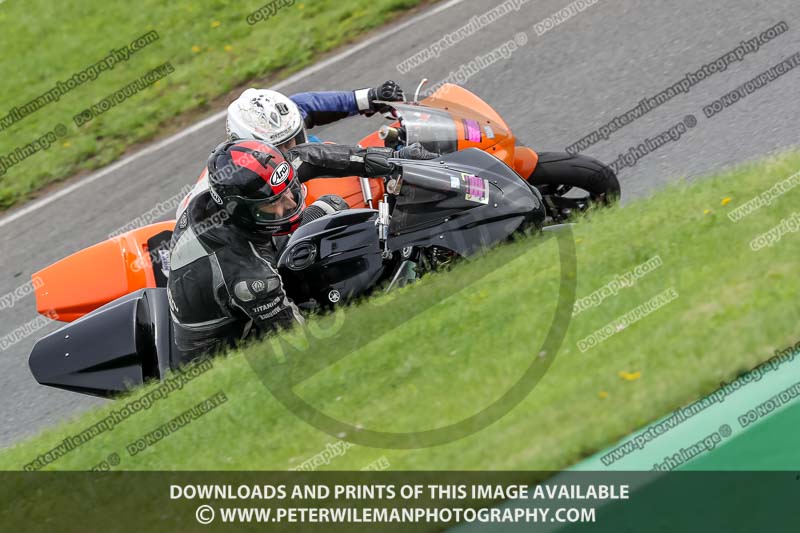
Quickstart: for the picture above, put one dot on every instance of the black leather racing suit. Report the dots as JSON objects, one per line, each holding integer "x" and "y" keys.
{"x": 223, "y": 282}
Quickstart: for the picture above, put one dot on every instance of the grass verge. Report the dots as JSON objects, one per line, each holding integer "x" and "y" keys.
{"x": 211, "y": 49}
{"x": 734, "y": 308}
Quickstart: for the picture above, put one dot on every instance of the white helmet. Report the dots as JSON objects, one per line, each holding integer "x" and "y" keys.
{"x": 267, "y": 116}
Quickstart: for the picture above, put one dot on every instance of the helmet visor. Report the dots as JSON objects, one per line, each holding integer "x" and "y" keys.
{"x": 281, "y": 208}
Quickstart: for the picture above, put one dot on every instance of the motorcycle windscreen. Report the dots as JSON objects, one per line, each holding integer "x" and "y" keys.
{"x": 434, "y": 128}
{"x": 479, "y": 124}
{"x": 452, "y": 119}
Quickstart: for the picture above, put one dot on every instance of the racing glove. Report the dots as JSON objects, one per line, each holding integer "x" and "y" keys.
{"x": 388, "y": 91}
{"x": 377, "y": 163}
{"x": 415, "y": 151}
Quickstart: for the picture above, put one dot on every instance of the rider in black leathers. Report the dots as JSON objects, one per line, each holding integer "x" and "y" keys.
{"x": 223, "y": 283}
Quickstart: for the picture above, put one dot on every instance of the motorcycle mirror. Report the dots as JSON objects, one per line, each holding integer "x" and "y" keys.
{"x": 419, "y": 88}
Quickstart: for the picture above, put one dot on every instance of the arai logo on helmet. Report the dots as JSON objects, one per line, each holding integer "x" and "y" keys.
{"x": 280, "y": 174}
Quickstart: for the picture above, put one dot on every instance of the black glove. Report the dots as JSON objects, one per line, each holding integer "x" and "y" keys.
{"x": 388, "y": 91}
{"x": 415, "y": 151}
{"x": 376, "y": 160}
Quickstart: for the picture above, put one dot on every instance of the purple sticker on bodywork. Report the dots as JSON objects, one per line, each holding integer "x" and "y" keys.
{"x": 472, "y": 130}
{"x": 477, "y": 189}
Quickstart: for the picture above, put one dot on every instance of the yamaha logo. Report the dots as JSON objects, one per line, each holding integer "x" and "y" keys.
{"x": 280, "y": 174}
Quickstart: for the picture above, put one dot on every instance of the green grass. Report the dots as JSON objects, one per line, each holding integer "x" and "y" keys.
{"x": 475, "y": 338}
{"x": 208, "y": 42}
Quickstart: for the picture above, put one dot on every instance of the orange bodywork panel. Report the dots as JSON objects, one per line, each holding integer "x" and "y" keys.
{"x": 462, "y": 103}
{"x": 348, "y": 188}
{"x": 525, "y": 161}
{"x": 94, "y": 276}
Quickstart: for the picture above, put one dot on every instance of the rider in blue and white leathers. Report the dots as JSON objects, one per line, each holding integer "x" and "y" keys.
{"x": 282, "y": 121}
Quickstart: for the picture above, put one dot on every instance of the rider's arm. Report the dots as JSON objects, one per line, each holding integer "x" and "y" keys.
{"x": 320, "y": 108}
{"x": 315, "y": 160}
{"x": 258, "y": 293}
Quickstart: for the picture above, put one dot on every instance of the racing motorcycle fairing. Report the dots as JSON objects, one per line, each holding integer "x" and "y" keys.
{"x": 83, "y": 357}
{"x": 333, "y": 258}
{"x": 462, "y": 202}
{"x": 442, "y": 202}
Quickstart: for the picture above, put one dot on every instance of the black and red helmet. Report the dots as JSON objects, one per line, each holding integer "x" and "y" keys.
{"x": 257, "y": 186}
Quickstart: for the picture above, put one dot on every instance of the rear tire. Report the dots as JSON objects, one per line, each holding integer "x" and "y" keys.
{"x": 557, "y": 172}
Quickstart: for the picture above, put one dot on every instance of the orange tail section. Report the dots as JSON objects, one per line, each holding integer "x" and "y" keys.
{"x": 94, "y": 276}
